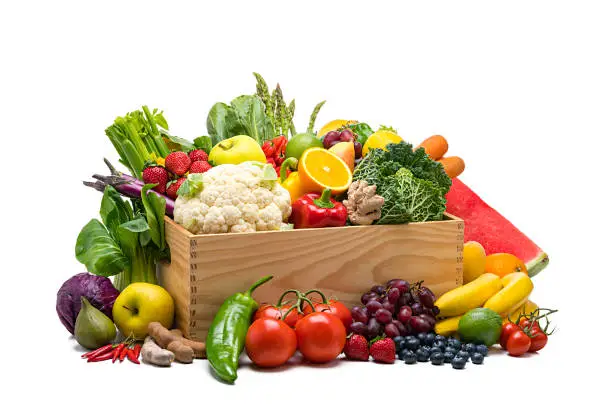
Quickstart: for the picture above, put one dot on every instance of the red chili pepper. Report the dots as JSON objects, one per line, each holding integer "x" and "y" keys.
{"x": 137, "y": 348}
{"x": 268, "y": 148}
{"x": 101, "y": 357}
{"x": 118, "y": 351}
{"x": 123, "y": 353}
{"x": 97, "y": 351}
{"x": 318, "y": 210}
{"x": 131, "y": 355}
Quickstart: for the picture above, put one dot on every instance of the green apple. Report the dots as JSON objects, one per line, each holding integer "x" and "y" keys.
{"x": 140, "y": 304}
{"x": 236, "y": 150}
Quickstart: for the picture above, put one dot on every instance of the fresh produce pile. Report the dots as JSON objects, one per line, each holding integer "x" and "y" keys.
{"x": 255, "y": 172}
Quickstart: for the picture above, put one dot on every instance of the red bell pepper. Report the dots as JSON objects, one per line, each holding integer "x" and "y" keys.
{"x": 318, "y": 210}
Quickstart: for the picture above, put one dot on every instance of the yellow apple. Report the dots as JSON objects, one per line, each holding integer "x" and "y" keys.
{"x": 236, "y": 150}
{"x": 140, "y": 304}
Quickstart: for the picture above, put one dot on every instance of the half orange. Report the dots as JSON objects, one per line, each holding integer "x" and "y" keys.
{"x": 319, "y": 169}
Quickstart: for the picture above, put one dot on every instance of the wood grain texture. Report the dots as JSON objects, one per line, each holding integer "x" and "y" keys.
{"x": 342, "y": 262}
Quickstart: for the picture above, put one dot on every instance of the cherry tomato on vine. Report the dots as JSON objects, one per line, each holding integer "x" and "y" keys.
{"x": 292, "y": 317}
{"x": 507, "y": 330}
{"x": 321, "y": 336}
{"x": 518, "y": 343}
{"x": 270, "y": 342}
{"x": 525, "y": 323}
{"x": 538, "y": 339}
{"x": 335, "y": 308}
{"x": 267, "y": 310}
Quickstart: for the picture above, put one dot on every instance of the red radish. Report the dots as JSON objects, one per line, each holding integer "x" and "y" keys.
{"x": 178, "y": 163}
{"x": 173, "y": 187}
{"x": 199, "y": 167}
{"x": 156, "y": 175}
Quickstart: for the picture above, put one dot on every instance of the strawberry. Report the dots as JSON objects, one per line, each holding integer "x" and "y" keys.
{"x": 199, "y": 167}
{"x": 383, "y": 350}
{"x": 356, "y": 348}
{"x": 173, "y": 187}
{"x": 178, "y": 163}
{"x": 156, "y": 175}
{"x": 198, "y": 155}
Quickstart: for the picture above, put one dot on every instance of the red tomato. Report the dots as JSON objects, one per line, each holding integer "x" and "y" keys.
{"x": 293, "y": 317}
{"x": 321, "y": 336}
{"x": 334, "y": 307}
{"x": 266, "y": 310}
{"x": 518, "y": 343}
{"x": 270, "y": 342}
{"x": 507, "y": 330}
{"x": 524, "y": 323}
{"x": 538, "y": 339}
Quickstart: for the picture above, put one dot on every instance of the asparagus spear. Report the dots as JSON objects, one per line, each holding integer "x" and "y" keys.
{"x": 313, "y": 116}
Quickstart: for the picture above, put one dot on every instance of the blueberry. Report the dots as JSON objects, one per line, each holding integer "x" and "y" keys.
{"x": 421, "y": 337}
{"x": 426, "y": 348}
{"x": 439, "y": 344}
{"x": 477, "y": 358}
{"x": 412, "y": 344}
{"x": 448, "y": 357}
{"x": 469, "y": 347}
{"x": 437, "y": 358}
{"x": 435, "y": 350}
{"x": 454, "y": 343}
{"x": 482, "y": 349}
{"x": 440, "y": 338}
{"x": 429, "y": 339}
{"x": 463, "y": 354}
{"x": 402, "y": 353}
{"x": 410, "y": 357}
{"x": 398, "y": 340}
{"x": 458, "y": 363}
{"x": 451, "y": 350}
{"x": 422, "y": 355}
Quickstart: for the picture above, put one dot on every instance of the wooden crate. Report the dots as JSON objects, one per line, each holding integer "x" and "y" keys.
{"x": 342, "y": 262}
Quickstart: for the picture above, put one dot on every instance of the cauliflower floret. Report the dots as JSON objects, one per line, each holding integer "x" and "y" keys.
{"x": 233, "y": 198}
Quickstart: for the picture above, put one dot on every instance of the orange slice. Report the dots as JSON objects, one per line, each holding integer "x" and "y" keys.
{"x": 319, "y": 169}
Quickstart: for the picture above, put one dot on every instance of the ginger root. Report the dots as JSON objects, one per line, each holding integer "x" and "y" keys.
{"x": 363, "y": 205}
{"x": 152, "y": 353}
{"x": 185, "y": 350}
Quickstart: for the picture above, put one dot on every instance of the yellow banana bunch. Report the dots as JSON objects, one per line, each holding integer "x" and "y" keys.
{"x": 502, "y": 295}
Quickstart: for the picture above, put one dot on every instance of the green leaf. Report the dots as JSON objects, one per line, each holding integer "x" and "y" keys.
{"x": 98, "y": 251}
{"x": 159, "y": 119}
{"x": 250, "y": 110}
{"x": 191, "y": 186}
{"x": 155, "y": 218}
{"x": 136, "y": 225}
{"x": 144, "y": 238}
{"x": 203, "y": 142}
{"x": 185, "y": 144}
{"x": 114, "y": 211}
{"x": 362, "y": 130}
{"x": 222, "y": 122}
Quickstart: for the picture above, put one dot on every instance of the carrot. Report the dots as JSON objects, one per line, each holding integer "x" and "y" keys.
{"x": 453, "y": 165}
{"x": 435, "y": 146}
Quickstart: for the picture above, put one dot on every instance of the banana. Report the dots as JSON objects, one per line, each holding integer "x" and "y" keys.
{"x": 517, "y": 288}
{"x": 526, "y": 308}
{"x": 448, "y": 326}
{"x": 474, "y": 294}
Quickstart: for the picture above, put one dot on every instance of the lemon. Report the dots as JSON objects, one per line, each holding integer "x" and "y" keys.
{"x": 474, "y": 258}
{"x": 380, "y": 139}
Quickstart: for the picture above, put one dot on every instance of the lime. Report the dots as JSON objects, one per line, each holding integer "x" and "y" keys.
{"x": 300, "y": 142}
{"x": 480, "y": 326}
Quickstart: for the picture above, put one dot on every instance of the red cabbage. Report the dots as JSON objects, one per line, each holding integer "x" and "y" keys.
{"x": 98, "y": 290}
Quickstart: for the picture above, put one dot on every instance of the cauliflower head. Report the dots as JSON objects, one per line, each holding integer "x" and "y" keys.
{"x": 242, "y": 197}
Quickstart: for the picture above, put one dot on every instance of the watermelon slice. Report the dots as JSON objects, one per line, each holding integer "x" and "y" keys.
{"x": 495, "y": 233}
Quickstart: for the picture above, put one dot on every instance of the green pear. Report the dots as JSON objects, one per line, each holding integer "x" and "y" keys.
{"x": 236, "y": 150}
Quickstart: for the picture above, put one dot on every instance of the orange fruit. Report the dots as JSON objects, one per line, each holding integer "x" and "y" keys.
{"x": 502, "y": 264}
{"x": 345, "y": 151}
{"x": 474, "y": 258}
{"x": 319, "y": 169}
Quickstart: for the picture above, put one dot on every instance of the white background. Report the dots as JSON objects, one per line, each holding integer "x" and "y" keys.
{"x": 522, "y": 91}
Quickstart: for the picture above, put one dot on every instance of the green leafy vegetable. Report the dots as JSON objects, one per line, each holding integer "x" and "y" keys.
{"x": 98, "y": 251}
{"x": 362, "y": 130}
{"x": 413, "y": 185}
{"x": 203, "y": 142}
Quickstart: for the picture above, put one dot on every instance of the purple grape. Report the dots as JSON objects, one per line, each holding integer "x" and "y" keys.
{"x": 404, "y": 300}
{"x": 402, "y": 285}
{"x": 392, "y": 282}
{"x": 366, "y": 297}
{"x": 374, "y": 328}
{"x": 435, "y": 310}
{"x": 391, "y": 330}
{"x": 331, "y": 137}
{"x": 400, "y": 326}
{"x": 358, "y": 328}
{"x": 358, "y": 149}
{"x": 419, "y": 325}
{"x": 378, "y": 289}
{"x": 393, "y": 295}
{"x": 359, "y": 314}
{"x": 373, "y": 306}
{"x": 347, "y": 136}
{"x": 383, "y": 316}
{"x": 404, "y": 314}
{"x": 388, "y": 306}
{"x": 427, "y": 311}
{"x": 430, "y": 319}
{"x": 426, "y": 297}
{"x": 417, "y": 308}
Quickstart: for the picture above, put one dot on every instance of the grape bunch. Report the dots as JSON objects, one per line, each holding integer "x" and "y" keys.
{"x": 397, "y": 309}
{"x": 346, "y": 135}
